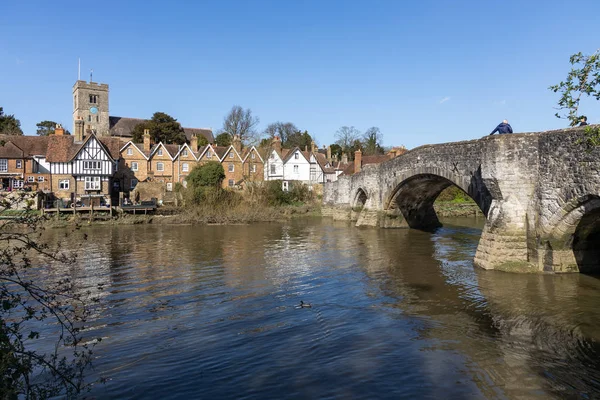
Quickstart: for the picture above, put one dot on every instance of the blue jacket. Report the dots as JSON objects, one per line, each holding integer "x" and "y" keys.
{"x": 502, "y": 128}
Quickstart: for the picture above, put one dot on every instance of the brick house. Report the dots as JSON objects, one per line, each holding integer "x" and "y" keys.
{"x": 253, "y": 165}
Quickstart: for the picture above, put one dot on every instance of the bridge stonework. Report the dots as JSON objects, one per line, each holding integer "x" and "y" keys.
{"x": 539, "y": 192}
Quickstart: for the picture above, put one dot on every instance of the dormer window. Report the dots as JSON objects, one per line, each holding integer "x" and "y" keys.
{"x": 159, "y": 152}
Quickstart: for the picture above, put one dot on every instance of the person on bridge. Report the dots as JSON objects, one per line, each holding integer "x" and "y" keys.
{"x": 504, "y": 127}
{"x": 583, "y": 121}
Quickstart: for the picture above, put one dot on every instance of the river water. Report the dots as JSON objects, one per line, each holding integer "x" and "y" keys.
{"x": 211, "y": 312}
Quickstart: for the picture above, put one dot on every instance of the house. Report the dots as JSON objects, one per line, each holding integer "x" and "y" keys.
{"x": 253, "y": 165}
{"x": 233, "y": 164}
{"x": 273, "y": 165}
{"x": 23, "y": 162}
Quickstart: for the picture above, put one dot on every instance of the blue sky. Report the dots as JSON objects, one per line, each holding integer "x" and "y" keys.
{"x": 422, "y": 71}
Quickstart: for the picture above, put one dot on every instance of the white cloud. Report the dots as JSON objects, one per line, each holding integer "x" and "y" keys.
{"x": 445, "y": 99}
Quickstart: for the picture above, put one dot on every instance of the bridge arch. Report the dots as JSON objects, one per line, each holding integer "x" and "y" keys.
{"x": 573, "y": 240}
{"x": 415, "y": 192}
{"x": 360, "y": 198}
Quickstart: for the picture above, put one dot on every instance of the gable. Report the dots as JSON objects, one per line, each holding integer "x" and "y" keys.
{"x": 297, "y": 157}
{"x": 92, "y": 149}
{"x": 160, "y": 152}
{"x": 227, "y": 156}
{"x": 135, "y": 150}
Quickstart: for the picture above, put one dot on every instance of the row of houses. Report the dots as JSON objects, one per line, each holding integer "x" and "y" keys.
{"x": 74, "y": 167}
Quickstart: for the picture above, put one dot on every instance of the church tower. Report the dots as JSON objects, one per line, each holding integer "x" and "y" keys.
{"x": 90, "y": 104}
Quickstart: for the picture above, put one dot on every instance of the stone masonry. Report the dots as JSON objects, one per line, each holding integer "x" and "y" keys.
{"x": 540, "y": 193}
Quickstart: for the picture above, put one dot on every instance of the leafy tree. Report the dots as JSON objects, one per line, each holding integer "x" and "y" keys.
{"x": 202, "y": 141}
{"x": 241, "y": 122}
{"x": 300, "y": 139}
{"x": 9, "y": 125}
{"x": 336, "y": 150}
{"x": 371, "y": 144}
{"x": 282, "y": 129}
{"x": 223, "y": 139}
{"x": 210, "y": 174}
{"x": 45, "y": 128}
{"x": 163, "y": 128}
{"x": 583, "y": 79}
{"x": 28, "y": 370}
{"x": 346, "y": 136}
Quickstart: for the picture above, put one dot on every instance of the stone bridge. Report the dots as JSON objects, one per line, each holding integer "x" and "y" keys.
{"x": 539, "y": 192}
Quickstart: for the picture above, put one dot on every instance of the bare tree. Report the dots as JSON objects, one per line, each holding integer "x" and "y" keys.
{"x": 346, "y": 136}
{"x": 284, "y": 130}
{"x": 241, "y": 122}
{"x": 372, "y": 139}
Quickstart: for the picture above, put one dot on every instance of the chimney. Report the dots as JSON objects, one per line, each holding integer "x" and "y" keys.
{"x": 344, "y": 158}
{"x": 306, "y": 147}
{"x": 313, "y": 147}
{"x": 194, "y": 143}
{"x": 329, "y": 154}
{"x": 79, "y": 125}
{"x": 357, "y": 161}
{"x": 237, "y": 143}
{"x": 146, "y": 140}
{"x": 59, "y": 131}
{"x": 276, "y": 143}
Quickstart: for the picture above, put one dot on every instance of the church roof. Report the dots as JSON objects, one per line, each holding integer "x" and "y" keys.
{"x": 123, "y": 127}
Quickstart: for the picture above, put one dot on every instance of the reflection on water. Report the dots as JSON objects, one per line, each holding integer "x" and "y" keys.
{"x": 209, "y": 312}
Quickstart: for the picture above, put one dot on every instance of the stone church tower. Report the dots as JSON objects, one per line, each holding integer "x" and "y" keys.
{"x": 90, "y": 105}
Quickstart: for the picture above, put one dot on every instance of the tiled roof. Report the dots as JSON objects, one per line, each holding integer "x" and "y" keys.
{"x": 113, "y": 145}
{"x": 220, "y": 150}
{"x": 123, "y": 127}
{"x": 31, "y": 145}
{"x": 173, "y": 149}
{"x": 378, "y": 159}
{"x": 61, "y": 148}
{"x": 11, "y": 150}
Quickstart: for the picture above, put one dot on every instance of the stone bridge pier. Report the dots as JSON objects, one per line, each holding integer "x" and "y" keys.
{"x": 539, "y": 192}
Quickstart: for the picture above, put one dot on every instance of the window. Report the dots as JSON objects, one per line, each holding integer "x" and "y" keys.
{"x": 63, "y": 184}
{"x": 185, "y": 167}
{"x": 160, "y": 166}
{"x": 89, "y": 118}
{"x": 296, "y": 156}
{"x": 97, "y": 118}
{"x": 30, "y": 179}
{"x": 40, "y": 179}
{"x": 273, "y": 170}
{"x": 169, "y": 187}
{"x": 3, "y": 165}
{"x": 253, "y": 156}
{"x": 284, "y": 186}
{"x": 92, "y": 183}
{"x": 231, "y": 154}
{"x": 295, "y": 169}
{"x": 184, "y": 153}
{"x": 253, "y": 167}
{"x": 19, "y": 164}
{"x": 272, "y": 156}
{"x": 133, "y": 183}
{"x": 159, "y": 152}
{"x": 130, "y": 151}
{"x": 134, "y": 166}
{"x": 17, "y": 184}
{"x": 208, "y": 155}
{"x": 230, "y": 168}
{"x": 91, "y": 165}
{"x": 231, "y": 183}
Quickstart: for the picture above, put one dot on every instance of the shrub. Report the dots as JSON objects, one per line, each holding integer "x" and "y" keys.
{"x": 209, "y": 174}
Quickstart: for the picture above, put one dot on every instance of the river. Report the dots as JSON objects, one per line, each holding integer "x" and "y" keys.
{"x": 211, "y": 312}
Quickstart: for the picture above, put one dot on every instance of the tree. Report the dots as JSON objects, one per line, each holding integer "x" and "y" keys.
{"x": 371, "y": 143}
{"x": 9, "y": 125}
{"x": 282, "y": 129}
{"x": 241, "y": 122}
{"x": 202, "y": 141}
{"x": 45, "y": 128}
{"x": 162, "y": 127}
{"x": 223, "y": 139}
{"x": 210, "y": 174}
{"x": 583, "y": 79}
{"x": 28, "y": 370}
{"x": 336, "y": 150}
{"x": 346, "y": 136}
{"x": 300, "y": 139}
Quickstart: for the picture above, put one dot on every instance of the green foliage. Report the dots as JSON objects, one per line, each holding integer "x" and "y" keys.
{"x": 300, "y": 139}
{"x": 583, "y": 79}
{"x": 163, "y": 128}
{"x": 202, "y": 141}
{"x": 9, "y": 125}
{"x": 209, "y": 174}
{"x": 336, "y": 150}
{"x": 455, "y": 195}
{"x": 223, "y": 139}
{"x": 45, "y": 128}
{"x": 371, "y": 144}
{"x": 591, "y": 136}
